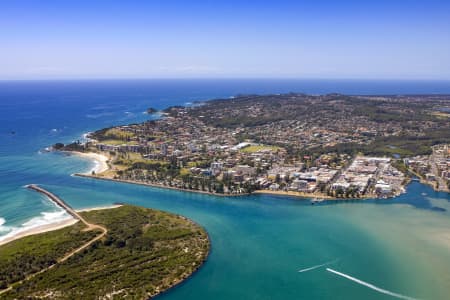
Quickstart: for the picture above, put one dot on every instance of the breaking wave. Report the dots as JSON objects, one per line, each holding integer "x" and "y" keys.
{"x": 3, "y": 228}
{"x": 44, "y": 219}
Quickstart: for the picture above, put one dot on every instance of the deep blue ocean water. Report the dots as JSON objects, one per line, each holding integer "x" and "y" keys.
{"x": 258, "y": 242}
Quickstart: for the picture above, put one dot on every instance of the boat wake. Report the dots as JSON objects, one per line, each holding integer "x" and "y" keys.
{"x": 371, "y": 286}
{"x": 318, "y": 266}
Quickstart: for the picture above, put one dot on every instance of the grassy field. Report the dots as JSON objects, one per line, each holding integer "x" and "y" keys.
{"x": 144, "y": 252}
{"x": 119, "y": 142}
{"x": 442, "y": 115}
{"x": 116, "y": 133}
{"x": 257, "y": 148}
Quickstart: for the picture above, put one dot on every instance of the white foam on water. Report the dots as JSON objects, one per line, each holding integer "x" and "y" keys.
{"x": 3, "y": 228}
{"x": 371, "y": 286}
{"x": 96, "y": 166}
{"x": 45, "y": 218}
{"x": 85, "y": 138}
{"x": 317, "y": 266}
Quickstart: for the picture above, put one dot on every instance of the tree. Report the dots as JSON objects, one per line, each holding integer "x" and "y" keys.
{"x": 219, "y": 188}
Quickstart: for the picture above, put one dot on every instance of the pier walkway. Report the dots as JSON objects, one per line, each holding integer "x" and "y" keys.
{"x": 58, "y": 201}
{"x": 89, "y": 226}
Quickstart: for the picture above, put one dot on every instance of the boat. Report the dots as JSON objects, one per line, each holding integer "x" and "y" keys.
{"x": 316, "y": 200}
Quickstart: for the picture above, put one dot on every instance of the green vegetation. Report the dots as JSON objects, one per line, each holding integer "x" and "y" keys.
{"x": 33, "y": 253}
{"x": 144, "y": 252}
{"x": 151, "y": 110}
{"x": 400, "y": 165}
{"x": 115, "y": 136}
{"x": 192, "y": 147}
{"x": 275, "y": 108}
{"x": 58, "y": 146}
{"x": 403, "y": 145}
{"x": 119, "y": 142}
{"x": 75, "y": 146}
{"x": 441, "y": 115}
{"x": 256, "y": 148}
{"x": 118, "y": 134}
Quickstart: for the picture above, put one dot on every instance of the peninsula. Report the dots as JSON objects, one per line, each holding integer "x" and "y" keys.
{"x": 127, "y": 252}
{"x": 327, "y": 146}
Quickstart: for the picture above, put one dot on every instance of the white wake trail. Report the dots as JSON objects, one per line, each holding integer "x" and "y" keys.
{"x": 371, "y": 286}
{"x": 317, "y": 266}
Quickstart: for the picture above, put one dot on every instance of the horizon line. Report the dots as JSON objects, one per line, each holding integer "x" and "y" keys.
{"x": 225, "y": 78}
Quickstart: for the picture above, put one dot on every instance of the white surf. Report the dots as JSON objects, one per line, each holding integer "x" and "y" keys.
{"x": 45, "y": 218}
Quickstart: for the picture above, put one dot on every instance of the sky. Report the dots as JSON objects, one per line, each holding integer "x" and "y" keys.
{"x": 340, "y": 39}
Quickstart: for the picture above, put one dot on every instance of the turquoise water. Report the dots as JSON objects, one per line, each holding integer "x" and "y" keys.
{"x": 258, "y": 242}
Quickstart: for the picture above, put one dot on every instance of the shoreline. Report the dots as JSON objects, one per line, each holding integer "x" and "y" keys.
{"x": 157, "y": 292}
{"x": 157, "y": 185}
{"x": 313, "y": 195}
{"x": 184, "y": 280}
{"x": 39, "y": 229}
{"x": 293, "y": 194}
{"x": 98, "y": 208}
{"x": 102, "y": 165}
{"x": 422, "y": 180}
{"x": 100, "y": 161}
{"x": 52, "y": 226}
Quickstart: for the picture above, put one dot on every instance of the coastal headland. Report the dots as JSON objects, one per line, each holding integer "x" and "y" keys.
{"x": 108, "y": 253}
{"x": 326, "y": 147}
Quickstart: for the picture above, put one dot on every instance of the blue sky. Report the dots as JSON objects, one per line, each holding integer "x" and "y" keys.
{"x": 396, "y": 39}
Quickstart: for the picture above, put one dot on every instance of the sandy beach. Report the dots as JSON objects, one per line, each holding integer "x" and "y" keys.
{"x": 99, "y": 208}
{"x": 51, "y": 226}
{"x": 39, "y": 229}
{"x": 100, "y": 161}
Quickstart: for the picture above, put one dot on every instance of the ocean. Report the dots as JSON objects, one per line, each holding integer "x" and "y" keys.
{"x": 374, "y": 249}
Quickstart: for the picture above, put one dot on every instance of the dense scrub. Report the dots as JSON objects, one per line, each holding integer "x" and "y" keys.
{"x": 144, "y": 252}
{"x": 33, "y": 253}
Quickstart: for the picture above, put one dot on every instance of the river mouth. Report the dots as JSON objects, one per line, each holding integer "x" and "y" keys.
{"x": 260, "y": 242}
